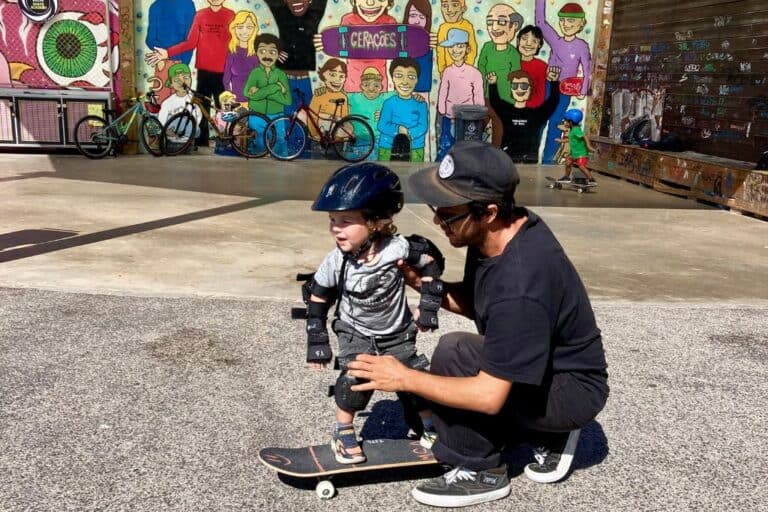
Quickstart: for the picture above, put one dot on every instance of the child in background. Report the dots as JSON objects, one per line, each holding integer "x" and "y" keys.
{"x": 372, "y": 315}
{"x": 230, "y": 109}
{"x": 580, "y": 146}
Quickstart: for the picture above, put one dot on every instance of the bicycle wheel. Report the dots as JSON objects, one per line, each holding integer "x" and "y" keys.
{"x": 352, "y": 139}
{"x": 247, "y": 134}
{"x": 151, "y": 135}
{"x": 180, "y": 131}
{"x": 94, "y": 137}
{"x": 285, "y": 137}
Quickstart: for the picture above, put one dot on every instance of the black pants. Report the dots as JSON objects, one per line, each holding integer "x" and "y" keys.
{"x": 209, "y": 84}
{"x": 565, "y": 402}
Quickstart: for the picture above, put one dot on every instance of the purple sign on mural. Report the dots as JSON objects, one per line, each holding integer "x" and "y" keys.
{"x": 375, "y": 41}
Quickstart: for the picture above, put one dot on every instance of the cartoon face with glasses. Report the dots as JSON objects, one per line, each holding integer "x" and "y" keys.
{"x": 503, "y": 23}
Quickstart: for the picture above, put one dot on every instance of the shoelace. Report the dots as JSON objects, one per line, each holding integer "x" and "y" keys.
{"x": 540, "y": 454}
{"x": 459, "y": 473}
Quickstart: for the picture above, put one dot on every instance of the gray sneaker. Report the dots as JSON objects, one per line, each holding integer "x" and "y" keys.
{"x": 553, "y": 458}
{"x": 461, "y": 487}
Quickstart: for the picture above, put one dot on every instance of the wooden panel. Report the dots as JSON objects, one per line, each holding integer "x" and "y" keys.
{"x": 711, "y": 58}
{"x": 714, "y": 180}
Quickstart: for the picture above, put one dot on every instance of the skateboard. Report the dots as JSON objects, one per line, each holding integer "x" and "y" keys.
{"x": 580, "y": 186}
{"x": 319, "y": 461}
{"x": 401, "y": 148}
{"x": 571, "y": 86}
{"x": 387, "y": 41}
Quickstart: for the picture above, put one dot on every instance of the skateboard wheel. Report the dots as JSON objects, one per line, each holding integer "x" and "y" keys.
{"x": 325, "y": 490}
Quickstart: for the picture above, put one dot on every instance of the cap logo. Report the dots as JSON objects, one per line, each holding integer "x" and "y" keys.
{"x": 445, "y": 170}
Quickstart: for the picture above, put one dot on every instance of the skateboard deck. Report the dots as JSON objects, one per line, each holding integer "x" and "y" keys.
{"x": 388, "y": 41}
{"x": 320, "y": 462}
{"x": 401, "y": 148}
{"x": 571, "y": 86}
{"x": 579, "y": 186}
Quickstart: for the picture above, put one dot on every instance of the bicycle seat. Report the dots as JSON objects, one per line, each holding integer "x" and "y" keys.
{"x": 339, "y": 101}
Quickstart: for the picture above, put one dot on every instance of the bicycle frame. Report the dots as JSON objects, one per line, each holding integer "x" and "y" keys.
{"x": 120, "y": 127}
{"x": 325, "y": 135}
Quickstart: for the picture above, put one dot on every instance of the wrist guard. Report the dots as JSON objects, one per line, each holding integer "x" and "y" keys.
{"x": 429, "y": 304}
{"x": 419, "y": 246}
{"x": 318, "y": 344}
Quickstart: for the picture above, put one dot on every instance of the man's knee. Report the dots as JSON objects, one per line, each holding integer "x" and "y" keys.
{"x": 457, "y": 354}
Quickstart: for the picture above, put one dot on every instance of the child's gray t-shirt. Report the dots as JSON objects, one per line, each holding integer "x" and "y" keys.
{"x": 373, "y": 300}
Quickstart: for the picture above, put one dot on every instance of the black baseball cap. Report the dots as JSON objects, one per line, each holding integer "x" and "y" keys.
{"x": 471, "y": 171}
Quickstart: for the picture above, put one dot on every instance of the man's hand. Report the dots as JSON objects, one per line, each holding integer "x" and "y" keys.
{"x": 402, "y": 129}
{"x": 412, "y": 277}
{"x": 383, "y": 373}
{"x": 432, "y": 40}
{"x": 317, "y": 42}
{"x": 252, "y": 90}
{"x": 159, "y": 55}
{"x": 553, "y": 73}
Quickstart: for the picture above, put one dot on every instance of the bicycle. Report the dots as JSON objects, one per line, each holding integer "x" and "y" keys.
{"x": 351, "y": 136}
{"x": 97, "y": 136}
{"x": 244, "y": 133}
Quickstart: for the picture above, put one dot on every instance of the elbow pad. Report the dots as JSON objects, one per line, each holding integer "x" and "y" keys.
{"x": 429, "y": 303}
{"x": 419, "y": 246}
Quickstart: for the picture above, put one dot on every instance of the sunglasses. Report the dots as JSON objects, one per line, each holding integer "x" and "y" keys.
{"x": 519, "y": 85}
{"x": 447, "y": 221}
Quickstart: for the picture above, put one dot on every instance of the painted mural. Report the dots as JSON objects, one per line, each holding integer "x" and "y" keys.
{"x": 72, "y": 47}
{"x": 406, "y": 65}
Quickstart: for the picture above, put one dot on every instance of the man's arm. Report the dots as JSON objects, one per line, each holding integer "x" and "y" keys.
{"x": 456, "y": 297}
{"x": 540, "y": 18}
{"x": 482, "y": 393}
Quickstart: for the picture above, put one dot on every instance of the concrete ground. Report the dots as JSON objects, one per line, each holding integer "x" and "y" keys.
{"x": 146, "y": 351}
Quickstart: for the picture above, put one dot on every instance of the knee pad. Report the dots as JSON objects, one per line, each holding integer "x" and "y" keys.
{"x": 346, "y": 398}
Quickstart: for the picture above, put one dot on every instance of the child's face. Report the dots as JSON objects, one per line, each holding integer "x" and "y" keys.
{"x": 181, "y": 83}
{"x": 334, "y": 78}
{"x": 417, "y": 18}
{"x": 521, "y": 89}
{"x": 405, "y": 79}
{"x": 349, "y": 229}
{"x": 529, "y": 45}
{"x": 371, "y": 88}
{"x": 452, "y": 10}
{"x": 370, "y": 10}
{"x": 458, "y": 52}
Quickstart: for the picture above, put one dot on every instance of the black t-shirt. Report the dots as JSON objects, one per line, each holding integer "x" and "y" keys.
{"x": 533, "y": 310}
{"x": 522, "y": 126}
{"x": 296, "y": 33}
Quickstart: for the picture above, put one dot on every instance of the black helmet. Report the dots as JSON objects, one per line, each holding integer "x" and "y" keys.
{"x": 364, "y": 186}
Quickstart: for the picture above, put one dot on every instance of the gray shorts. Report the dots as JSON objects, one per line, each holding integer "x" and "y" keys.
{"x": 401, "y": 345}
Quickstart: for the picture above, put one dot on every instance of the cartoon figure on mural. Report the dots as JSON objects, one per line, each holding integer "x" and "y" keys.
{"x": 453, "y": 17}
{"x": 333, "y": 74}
{"x": 168, "y": 23}
{"x": 209, "y": 36}
{"x": 297, "y": 22}
{"x": 230, "y": 109}
{"x": 530, "y": 39}
{"x": 564, "y": 149}
{"x": 369, "y": 101}
{"x": 267, "y": 87}
{"x": 403, "y": 116}
{"x": 180, "y": 80}
{"x": 461, "y": 84}
{"x": 522, "y": 124}
{"x": 241, "y": 55}
{"x": 499, "y": 56}
{"x": 419, "y": 13}
{"x": 570, "y": 54}
{"x": 367, "y": 13}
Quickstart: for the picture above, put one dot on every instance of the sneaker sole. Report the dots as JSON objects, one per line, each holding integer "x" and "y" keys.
{"x": 437, "y": 500}
{"x": 426, "y": 444}
{"x": 566, "y": 459}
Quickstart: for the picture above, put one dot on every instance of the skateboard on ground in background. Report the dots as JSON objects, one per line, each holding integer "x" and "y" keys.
{"x": 320, "y": 462}
{"x": 580, "y": 185}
